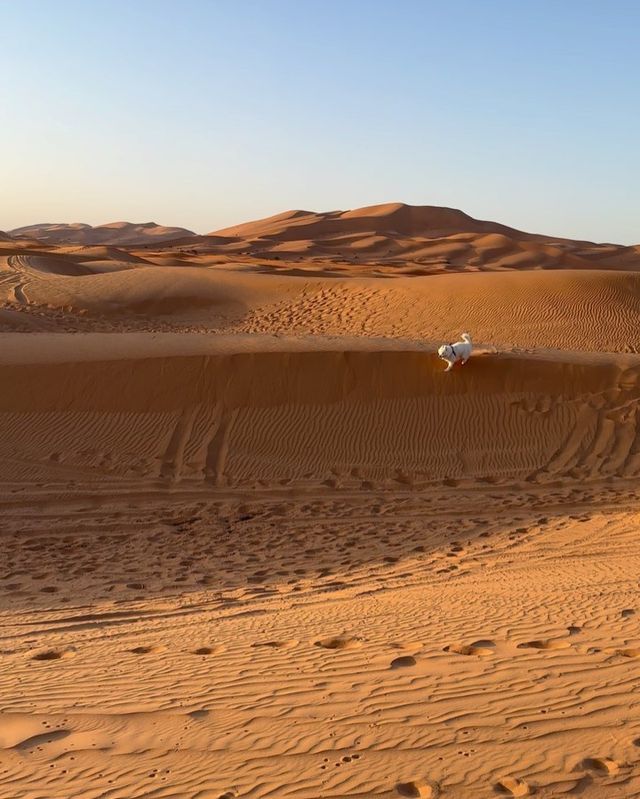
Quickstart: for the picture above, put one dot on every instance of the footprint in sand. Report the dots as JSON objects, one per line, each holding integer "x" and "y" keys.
{"x": 403, "y": 662}
{"x": 627, "y": 613}
{"x": 147, "y": 650}
{"x": 546, "y": 643}
{"x": 417, "y": 789}
{"x": 290, "y": 644}
{"x": 482, "y": 648}
{"x": 512, "y": 786}
{"x": 53, "y": 654}
{"x": 601, "y": 765}
{"x": 339, "y": 642}
{"x": 208, "y": 650}
{"x": 199, "y": 714}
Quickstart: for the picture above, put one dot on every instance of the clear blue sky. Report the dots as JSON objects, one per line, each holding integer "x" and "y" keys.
{"x": 205, "y": 114}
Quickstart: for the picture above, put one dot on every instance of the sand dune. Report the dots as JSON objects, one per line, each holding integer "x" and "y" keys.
{"x": 256, "y": 543}
{"x": 259, "y": 418}
{"x": 430, "y": 237}
{"x": 594, "y": 310}
{"x": 390, "y": 218}
{"x": 116, "y": 233}
{"x": 341, "y": 572}
{"x": 392, "y": 237}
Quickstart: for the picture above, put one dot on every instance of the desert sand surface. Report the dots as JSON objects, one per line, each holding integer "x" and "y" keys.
{"x": 256, "y": 543}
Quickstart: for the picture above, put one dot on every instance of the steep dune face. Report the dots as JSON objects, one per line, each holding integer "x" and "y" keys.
{"x": 303, "y": 416}
{"x": 115, "y": 233}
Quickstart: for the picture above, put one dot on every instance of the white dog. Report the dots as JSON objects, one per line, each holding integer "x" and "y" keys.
{"x": 460, "y": 351}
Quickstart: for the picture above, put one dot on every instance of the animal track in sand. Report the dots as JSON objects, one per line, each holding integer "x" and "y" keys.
{"x": 343, "y": 759}
{"x": 546, "y": 643}
{"x": 403, "y": 662}
{"x": 627, "y": 613}
{"x": 512, "y": 786}
{"x": 208, "y": 650}
{"x": 147, "y": 650}
{"x": 277, "y": 644}
{"x": 417, "y": 789}
{"x": 198, "y": 714}
{"x": 482, "y": 648}
{"x": 339, "y": 642}
{"x": 602, "y": 765}
{"x": 53, "y": 654}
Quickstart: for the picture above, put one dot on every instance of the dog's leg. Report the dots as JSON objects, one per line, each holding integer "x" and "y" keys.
{"x": 450, "y": 366}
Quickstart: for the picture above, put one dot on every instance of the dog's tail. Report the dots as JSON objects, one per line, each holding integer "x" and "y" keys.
{"x": 466, "y": 337}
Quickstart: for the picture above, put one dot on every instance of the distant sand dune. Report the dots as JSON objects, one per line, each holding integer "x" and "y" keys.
{"x": 390, "y": 236}
{"x": 123, "y": 233}
{"x": 436, "y": 238}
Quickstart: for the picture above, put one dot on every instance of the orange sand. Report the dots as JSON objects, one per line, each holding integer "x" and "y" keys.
{"x": 256, "y": 543}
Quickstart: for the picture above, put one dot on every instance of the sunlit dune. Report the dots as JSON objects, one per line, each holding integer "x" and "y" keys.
{"x": 257, "y": 543}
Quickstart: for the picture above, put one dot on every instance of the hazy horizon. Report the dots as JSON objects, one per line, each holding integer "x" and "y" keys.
{"x": 210, "y": 114}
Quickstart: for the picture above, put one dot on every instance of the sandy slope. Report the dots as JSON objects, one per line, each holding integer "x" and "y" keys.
{"x": 255, "y": 543}
{"x": 595, "y": 310}
{"x": 311, "y": 414}
{"x": 240, "y": 566}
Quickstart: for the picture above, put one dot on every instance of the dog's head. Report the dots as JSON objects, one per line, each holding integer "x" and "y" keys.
{"x": 445, "y": 352}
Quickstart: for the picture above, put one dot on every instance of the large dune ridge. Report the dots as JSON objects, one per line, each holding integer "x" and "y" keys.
{"x": 392, "y": 236}
{"x": 257, "y": 543}
{"x": 127, "y": 233}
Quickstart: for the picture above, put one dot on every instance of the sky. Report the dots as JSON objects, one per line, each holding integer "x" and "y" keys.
{"x": 207, "y": 114}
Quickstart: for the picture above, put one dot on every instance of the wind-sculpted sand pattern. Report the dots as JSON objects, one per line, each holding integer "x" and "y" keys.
{"x": 339, "y": 418}
{"x": 348, "y": 644}
{"x": 266, "y": 567}
{"x": 84, "y": 289}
